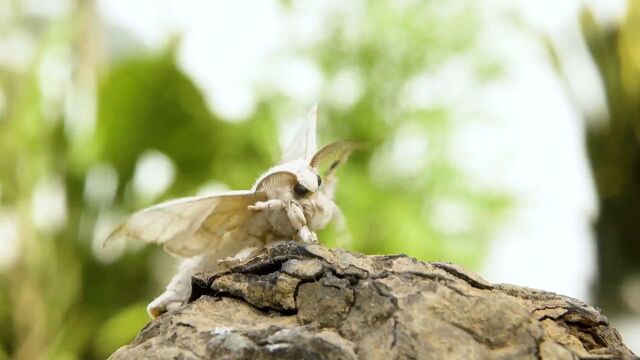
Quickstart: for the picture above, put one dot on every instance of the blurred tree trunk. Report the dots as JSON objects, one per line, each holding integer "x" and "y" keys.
{"x": 614, "y": 153}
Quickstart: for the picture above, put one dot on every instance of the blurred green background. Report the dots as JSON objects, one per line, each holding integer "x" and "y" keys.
{"x": 95, "y": 124}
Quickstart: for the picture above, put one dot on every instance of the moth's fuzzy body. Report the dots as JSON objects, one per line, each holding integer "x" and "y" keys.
{"x": 290, "y": 201}
{"x": 275, "y": 224}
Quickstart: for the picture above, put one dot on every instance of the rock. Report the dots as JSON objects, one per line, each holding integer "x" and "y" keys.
{"x": 297, "y": 301}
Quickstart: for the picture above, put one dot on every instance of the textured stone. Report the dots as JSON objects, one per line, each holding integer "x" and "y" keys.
{"x": 310, "y": 302}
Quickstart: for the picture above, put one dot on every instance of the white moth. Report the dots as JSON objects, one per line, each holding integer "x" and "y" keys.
{"x": 289, "y": 201}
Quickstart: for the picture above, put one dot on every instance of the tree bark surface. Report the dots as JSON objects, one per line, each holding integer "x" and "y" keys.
{"x": 298, "y": 301}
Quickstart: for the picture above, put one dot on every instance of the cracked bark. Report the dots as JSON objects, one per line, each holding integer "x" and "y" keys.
{"x": 309, "y": 302}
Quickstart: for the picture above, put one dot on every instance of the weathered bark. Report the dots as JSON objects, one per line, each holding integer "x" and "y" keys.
{"x": 310, "y": 302}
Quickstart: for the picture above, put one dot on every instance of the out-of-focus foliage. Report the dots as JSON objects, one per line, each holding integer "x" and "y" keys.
{"x": 397, "y": 207}
{"x": 147, "y": 103}
{"x": 75, "y": 140}
{"x": 614, "y": 152}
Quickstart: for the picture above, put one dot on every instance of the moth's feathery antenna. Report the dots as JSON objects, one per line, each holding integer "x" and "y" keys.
{"x": 303, "y": 145}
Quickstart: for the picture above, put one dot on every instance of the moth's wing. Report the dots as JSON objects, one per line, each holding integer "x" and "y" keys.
{"x": 189, "y": 226}
{"x": 329, "y": 157}
{"x": 304, "y": 144}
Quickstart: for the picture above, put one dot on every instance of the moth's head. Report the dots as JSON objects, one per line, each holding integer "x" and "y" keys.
{"x": 297, "y": 174}
{"x": 307, "y": 182}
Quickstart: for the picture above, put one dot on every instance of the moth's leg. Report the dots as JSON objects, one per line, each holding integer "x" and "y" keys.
{"x": 269, "y": 204}
{"x": 245, "y": 247}
{"x": 238, "y": 258}
{"x": 298, "y": 221}
{"x": 179, "y": 288}
{"x": 275, "y": 243}
{"x": 273, "y": 240}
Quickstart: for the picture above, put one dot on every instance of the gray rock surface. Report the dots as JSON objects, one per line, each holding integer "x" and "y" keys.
{"x": 299, "y": 301}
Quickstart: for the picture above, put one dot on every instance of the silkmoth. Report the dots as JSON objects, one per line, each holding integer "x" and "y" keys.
{"x": 292, "y": 200}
